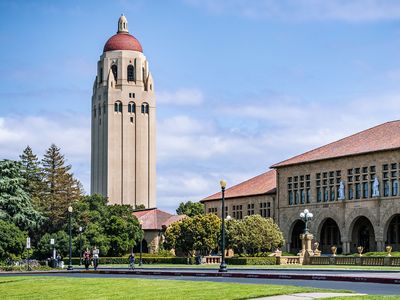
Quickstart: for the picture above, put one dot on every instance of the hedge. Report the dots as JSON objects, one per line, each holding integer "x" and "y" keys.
{"x": 145, "y": 260}
{"x": 251, "y": 261}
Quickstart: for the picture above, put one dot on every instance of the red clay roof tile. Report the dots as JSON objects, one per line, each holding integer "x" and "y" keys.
{"x": 259, "y": 185}
{"x": 385, "y": 136}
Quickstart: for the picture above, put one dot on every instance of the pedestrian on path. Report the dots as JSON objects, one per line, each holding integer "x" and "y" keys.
{"x": 132, "y": 261}
{"x": 86, "y": 258}
{"x": 96, "y": 257}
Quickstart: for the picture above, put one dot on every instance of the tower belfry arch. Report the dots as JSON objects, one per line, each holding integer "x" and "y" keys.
{"x": 123, "y": 148}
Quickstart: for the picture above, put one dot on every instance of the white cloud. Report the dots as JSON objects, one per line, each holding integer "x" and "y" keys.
{"x": 342, "y": 10}
{"x": 184, "y": 97}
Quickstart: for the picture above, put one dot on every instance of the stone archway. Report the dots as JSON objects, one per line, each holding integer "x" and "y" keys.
{"x": 362, "y": 234}
{"x": 329, "y": 236}
{"x": 295, "y": 242}
{"x": 393, "y": 232}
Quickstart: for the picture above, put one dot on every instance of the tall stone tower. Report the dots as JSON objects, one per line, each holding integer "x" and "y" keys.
{"x": 123, "y": 154}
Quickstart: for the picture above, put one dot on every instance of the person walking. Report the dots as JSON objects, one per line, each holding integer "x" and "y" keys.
{"x": 96, "y": 257}
{"x": 86, "y": 258}
{"x": 132, "y": 261}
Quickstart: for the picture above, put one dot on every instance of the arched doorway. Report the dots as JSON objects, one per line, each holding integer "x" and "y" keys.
{"x": 295, "y": 242}
{"x": 329, "y": 236}
{"x": 363, "y": 234}
{"x": 145, "y": 248}
{"x": 393, "y": 233}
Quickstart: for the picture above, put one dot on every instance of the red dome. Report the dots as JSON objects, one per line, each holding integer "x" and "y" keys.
{"x": 122, "y": 41}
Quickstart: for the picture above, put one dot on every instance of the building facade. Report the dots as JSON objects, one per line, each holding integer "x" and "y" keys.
{"x": 352, "y": 188}
{"x": 123, "y": 148}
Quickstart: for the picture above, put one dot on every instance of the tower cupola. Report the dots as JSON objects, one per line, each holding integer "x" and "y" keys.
{"x": 122, "y": 24}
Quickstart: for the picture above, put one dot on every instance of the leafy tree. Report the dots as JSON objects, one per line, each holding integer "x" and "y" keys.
{"x": 61, "y": 244}
{"x": 198, "y": 233}
{"x": 190, "y": 208}
{"x": 12, "y": 241}
{"x": 60, "y": 188}
{"x": 32, "y": 174}
{"x": 15, "y": 203}
{"x": 253, "y": 234}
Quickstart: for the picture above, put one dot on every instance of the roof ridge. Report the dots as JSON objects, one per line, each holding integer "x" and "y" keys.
{"x": 328, "y": 144}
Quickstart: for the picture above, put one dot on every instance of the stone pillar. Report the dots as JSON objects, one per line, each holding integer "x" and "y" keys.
{"x": 346, "y": 247}
{"x": 287, "y": 247}
{"x": 380, "y": 246}
{"x": 306, "y": 247}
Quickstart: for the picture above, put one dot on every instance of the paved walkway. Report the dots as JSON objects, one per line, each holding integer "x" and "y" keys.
{"x": 308, "y": 296}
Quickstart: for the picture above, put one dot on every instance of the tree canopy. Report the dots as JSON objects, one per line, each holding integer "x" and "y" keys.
{"x": 190, "y": 208}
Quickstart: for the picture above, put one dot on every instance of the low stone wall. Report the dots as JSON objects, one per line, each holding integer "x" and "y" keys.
{"x": 356, "y": 260}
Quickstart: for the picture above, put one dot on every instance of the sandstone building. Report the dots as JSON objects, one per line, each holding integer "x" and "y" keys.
{"x": 351, "y": 186}
{"x": 123, "y": 149}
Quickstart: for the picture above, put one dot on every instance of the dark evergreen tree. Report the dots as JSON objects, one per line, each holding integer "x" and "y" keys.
{"x": 15, "y": 203}
{"x": 60, "y": 188}
{"x": 32, "y": 174}
{"x": 190, "y": 208}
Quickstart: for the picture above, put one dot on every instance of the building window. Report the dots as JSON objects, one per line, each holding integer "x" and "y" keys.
{"x": 114, "y": 70}
{"x": 326, "y": 194}
{"x": 118, "y": 106}
{"x": 99, "y": 109}
{"x": 145, "y": 108}
{"x": 296, "y": 197}
{"x": 265, "y": 209}
{"x": 358, "y": 190}
{"x": 131, "y": 119}
{"x": 302, "y": 196}
{"x": 131, "y": 107}
{"x": 365, "y": 189}
{"x": 101, "y": 75}
{"x": 237, "y": 212}
{"x": 212, "y": 210}
{"x": 350, "y": 192}
{"x": 319, "y": 198}
{"x": 395, "y": 187}
{"x": 250, "y": 209}
{"x": 94, "y": 111}
{"x": 290, "y": 197}
{"x": 131, "y": 95}
{"x": 131, "y": 73}
{"x": 386, "y": 188}
{"x": 308, "y": 196}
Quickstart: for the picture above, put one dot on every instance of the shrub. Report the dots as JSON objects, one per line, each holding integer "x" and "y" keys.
{"x": 145, "y": 260}
{"x": 251, "y": 260}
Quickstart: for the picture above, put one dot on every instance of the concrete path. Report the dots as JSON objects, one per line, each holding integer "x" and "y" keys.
{"x": 308, "y": 296}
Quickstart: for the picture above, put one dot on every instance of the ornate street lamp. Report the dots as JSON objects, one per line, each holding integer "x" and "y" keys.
{"x": 222, "y": 267}
{"x": 80, "y": 245}
{"x": 306, "y": 216}
{"x": 141, "y": 243}
{"x": 70, "y": 209}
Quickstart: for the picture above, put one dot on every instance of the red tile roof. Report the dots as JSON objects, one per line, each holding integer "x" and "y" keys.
{"x": 385, "y": 136}
{"x": 259, "y": 185}
{"x": 155, "y": 219}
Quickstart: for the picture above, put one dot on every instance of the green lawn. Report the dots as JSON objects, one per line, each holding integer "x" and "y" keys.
{"x": 42, "y": 287}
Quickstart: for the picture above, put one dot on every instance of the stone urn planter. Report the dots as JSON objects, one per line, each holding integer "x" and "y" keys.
{"x": 334, "y": 250}
{"x": 389, "y": 250}
{"x": 360, "y": 249}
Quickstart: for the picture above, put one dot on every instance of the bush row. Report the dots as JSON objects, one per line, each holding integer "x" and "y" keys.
{"x": 251, "y": 261}
{"x": 145, "y": 260}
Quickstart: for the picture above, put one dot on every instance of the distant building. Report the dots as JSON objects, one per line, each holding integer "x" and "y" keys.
{"x": 123, "y": 150}
{"x": 351, "y": 186}
{"x": 154, "y": 224}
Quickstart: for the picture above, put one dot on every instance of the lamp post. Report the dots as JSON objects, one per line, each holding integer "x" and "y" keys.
{"x": 53, "y": 255}
{"x": 70, "y": 209}
{"x": 80, "y": 245}
{"x": 141, "y": 243}
{"x": 306, "y": 216}
{"x": 222, "y": 267}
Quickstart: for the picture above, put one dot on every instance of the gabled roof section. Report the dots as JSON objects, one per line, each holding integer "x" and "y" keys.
{"x": 155, "y": 219}
{"x": 259, "y": 185}
{"x": 382, "y": 137}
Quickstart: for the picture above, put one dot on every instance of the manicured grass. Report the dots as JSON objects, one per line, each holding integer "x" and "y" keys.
{"x": 42, "y": 287}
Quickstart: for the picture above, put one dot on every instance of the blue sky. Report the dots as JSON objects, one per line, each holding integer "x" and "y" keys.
{"x": 240, "y": 84}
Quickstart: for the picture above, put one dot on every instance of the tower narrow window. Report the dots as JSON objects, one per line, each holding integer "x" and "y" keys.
{"x": 131, "y": 73}
{"x": 131, "y": 107}
{"x": 145, "y": 108}
{"x": 118, "y": 106}
{"x": 101, "y": 75}
{"x": 114, "y": 70}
